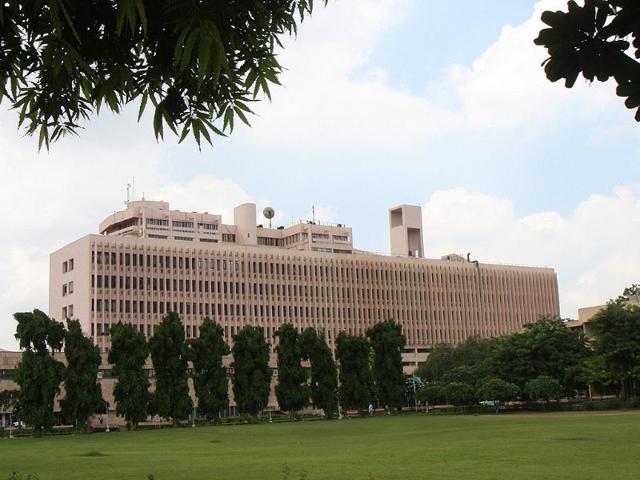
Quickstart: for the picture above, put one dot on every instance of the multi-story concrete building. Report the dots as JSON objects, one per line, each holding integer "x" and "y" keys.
{"x": 149, "y": 260}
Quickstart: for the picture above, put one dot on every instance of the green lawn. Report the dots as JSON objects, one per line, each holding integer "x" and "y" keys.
{"x": 518, "y": 446}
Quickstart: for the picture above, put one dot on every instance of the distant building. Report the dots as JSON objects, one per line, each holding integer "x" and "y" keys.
{"x": 586, "y": 314}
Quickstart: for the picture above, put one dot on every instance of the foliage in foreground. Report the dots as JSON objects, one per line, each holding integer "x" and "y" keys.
{"x": 194, "y": 62}
{"x": 594, "y": 40}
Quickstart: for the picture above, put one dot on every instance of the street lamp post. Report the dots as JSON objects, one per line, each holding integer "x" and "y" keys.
{"x": 106, "y": 407}
{"x": 193, "y": 417}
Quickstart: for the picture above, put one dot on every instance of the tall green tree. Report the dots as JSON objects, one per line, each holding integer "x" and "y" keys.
{"x": 616, "y": 345}
{"x": 129, "y": 351}
{"x": 593, "y": 39}
{"x": 83, "y": 394}
{"x": 546, "y": 347}
{"x": 169, "y": 356}
{"x": 251, "y": 372}
{"x": 198, "y": 64}
{"x": 387, "y": 341}
{"x": 356, "y": 380}
{"x": 324, "y": 374}
{"x": 209, "y": 373}
{"x": 292, "y": 390}
{"x": 38, "y": 374}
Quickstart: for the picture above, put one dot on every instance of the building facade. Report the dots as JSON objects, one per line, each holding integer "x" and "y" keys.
{"x": 150, "y": 260}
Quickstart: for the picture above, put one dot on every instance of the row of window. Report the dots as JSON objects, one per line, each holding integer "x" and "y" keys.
{"x": 182, "y": 224}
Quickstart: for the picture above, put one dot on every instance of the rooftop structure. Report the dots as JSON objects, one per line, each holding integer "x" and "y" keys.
{"x": 154, "y": 220}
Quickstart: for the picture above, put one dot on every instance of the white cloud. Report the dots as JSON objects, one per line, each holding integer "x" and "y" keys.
{"x": 506, "y": 87}
{"x": 324, "y": 99}
{"x": 50, "y": 199}
{"x": 594, "y": 249}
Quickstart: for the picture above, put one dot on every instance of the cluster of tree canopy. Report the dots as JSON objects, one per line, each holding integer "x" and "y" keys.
{"x": 369, "y": 368}
{"x": 545, "y": 361}
{"x": 199, "y": 64}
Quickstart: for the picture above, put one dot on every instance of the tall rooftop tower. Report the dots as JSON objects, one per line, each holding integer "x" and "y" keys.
{"x": 405, "y": 231}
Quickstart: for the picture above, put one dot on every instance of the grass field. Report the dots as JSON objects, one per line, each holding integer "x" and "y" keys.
{"x": 518, "y": 446}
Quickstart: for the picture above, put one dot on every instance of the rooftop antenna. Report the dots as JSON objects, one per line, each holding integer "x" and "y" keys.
{"x": 268, "y": 213}
{"x": 313, "y": 213}
{"x": 126, "y": 204}
{"x": 133, "y": 188}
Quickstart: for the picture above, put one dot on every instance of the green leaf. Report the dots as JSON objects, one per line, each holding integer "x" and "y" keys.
{"x": 143, "y": 104}
{"x": 241, "y": 114}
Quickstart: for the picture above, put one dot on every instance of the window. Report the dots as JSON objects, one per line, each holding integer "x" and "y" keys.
{"x": 157, "y": 222}
{"x": 181, "y": 224}
{"x": 207, "y": 226}
{"x": 65, "y": 267}
{"x": 185, "y": 239}
{"x": 229, "y": 237}
{"x": 64, "y": 290}
{"x": 70, "y": 287}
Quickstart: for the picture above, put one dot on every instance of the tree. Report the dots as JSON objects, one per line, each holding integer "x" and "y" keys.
{"x": 592, "y": 40}
{"x": 459, "y": 393}
{"x": 129, "y": 351}
{"x": 546, "y": 347}
{"x": 196, "y": 62}
{"x": 433, "y": 393}
{"x": 472, "y": 375}
{"x": 616, "y": 329}
{"x": 324, "y": 374}
{"x": 169, "y": 356}
{"x": 444, "y": 358}
{"x": 38, "y": 374}
{"x": 387, "y": 341}
{"x": 251, "y": 372}
{"x": 630, "y": 293}
{"x": 292, "y": 390}
{"x": 83, "y": 394}
{"x": 209, "y": 373}
{"x": 356, "y": 381}
{"x": 543, "y": 388}
{"x": 495, "y": 389}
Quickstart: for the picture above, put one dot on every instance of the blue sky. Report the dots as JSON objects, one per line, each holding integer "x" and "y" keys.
{"x": 384, "y": 102}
